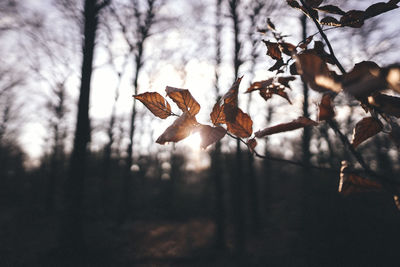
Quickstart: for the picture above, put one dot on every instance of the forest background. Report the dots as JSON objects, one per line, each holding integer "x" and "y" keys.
{"x": 138, "y": 202}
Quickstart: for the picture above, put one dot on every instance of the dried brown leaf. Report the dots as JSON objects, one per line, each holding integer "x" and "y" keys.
{"x": 155, "y": 103}
{"x": 270, "y": 25}
{"x": 326, "y": 111}
{"x": 390, "y": 105}
{"x": 393, "y": 77}
{"x": 379, "y": 8}
{"x": 331, "y": 9}
{"x": 278, "y": 64}
{"x": 284, "y": 127}
{"x": 184, "y": 99}
{"x": 363, "y": 80}
{"x": 180, "y": 129}
{"x": 260, "y": 85}
{"x": 306, "y": 42}
{"x": 313, "y": 3}
{"x": 365, "y": 129}
{"x": 273, "y": 50}
{"x": 251, "y": 144}
{"x": 351, "y": 183}
{"x": 287, "y": 48}
{"x": 353, "y": 18}
{"x": 315, "y": 72}
{"x": 242, "y": 126}
{"x": 330, "y": 21}
{"x": 217, "y": 115}
{"x": 210, "y": 135}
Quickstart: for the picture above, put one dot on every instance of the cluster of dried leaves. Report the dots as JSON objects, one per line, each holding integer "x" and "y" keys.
{"x": 366, "y": 82}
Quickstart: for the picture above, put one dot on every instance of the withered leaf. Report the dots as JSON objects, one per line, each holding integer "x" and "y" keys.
{"x": 232, "y": 95}
{"x": 379, "y": 8}
{"x": 313, "y": 3}
{"x": 242, "y": 126}
{"x": 267, "y": 93}
{"x": 353, "y": 18}
{"x": 393, "y": 77}
{"x": 230, "y": 99}
{"x": 217, "y": 115}
{"x": 312, "y": 13}
{"x": 278, "y": 64}
{"x": 293, "y": 3}
{"x": 306, "y": 42}
{"x": 287, "y": 48}
{"x": 364, "y": 79}
{"x": 331, "y": 9}
{"x": 330, "y": 21}
{"x": 180, "y": 129}
{"x": 284, "y": 80}
{"x": 365, "y": 129}
{"x": 260, "y": 85}
{"x": 210, "y": 135}
{"x": 270, "y": 25}
{"x": 284, "y": 127}
{"x": 390, "y": 105}
{"x": 351, "y": 183}
{"x": 315, "y": 72}
{"x": 293, "y": 69}
{"x": 251, "y": 144}
{"x": 326, "y": 111}
{"x": 273, "y": 50}
{"x": 155, "y": 103}
{"x": 184, "y": 99}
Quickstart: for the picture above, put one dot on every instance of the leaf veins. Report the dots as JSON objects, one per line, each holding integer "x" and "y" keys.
{"x": 365, "y": 129}
{"x": 155, "y": 103}
{"x": 184, "y": 99}
{"x": 180, "y": 129}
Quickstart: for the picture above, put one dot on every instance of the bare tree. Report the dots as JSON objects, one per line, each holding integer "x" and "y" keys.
{"x": 72, "y": 235}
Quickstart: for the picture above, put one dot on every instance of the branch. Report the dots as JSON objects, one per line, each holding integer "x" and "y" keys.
{"x": 321, "y": 31}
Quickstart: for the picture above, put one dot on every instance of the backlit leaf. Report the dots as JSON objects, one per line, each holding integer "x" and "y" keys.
{"x": 396, "y": 200}
{"x": 330, "y": 21}
{"x": 313, "y": 3}
{"x": 393, "y": 77}
{"x": 155, "y": 103}
{"x": 230, "y": 106}
{"x": 252, "y": 143}
{"x": 184, "y": 99}
{"x": 379, "y": 8}
{"x": 217, "y": 115}
{"x": 180, "y": 129}
{"x": 270, "y": 25}
{"x": 390, "y": 105}
{"x": 331, "y": 9}
{"x": 353, "y": 18}
{"x": 278, "y": 64}
{"x": 210, "y": 135}
{"x": 326, "y": 111}
{"x": 273, "y": 50}
{"x": 315, "y": 72}
{"x": 260, "y": 85}
{"x": 274, "y": 90}
{"x": 242, "y": 126}
{"x": 364, "y": 79}
{"x": 306, "y": 42}
{"x": 284, "y": 127}
{"x": 284, "y": 80}
{"x": 351, "y": 183}
{"x": 365, "y": 129}
{"x": 287, "y": 48}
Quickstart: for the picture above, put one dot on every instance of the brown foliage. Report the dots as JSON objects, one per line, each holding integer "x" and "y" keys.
{"x": 155, "y": 103}
{"x": 365, "y": 129}
{"x": 300, "y": 122}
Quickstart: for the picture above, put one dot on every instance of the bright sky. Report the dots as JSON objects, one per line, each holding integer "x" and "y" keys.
{"x": 197, "y": 76}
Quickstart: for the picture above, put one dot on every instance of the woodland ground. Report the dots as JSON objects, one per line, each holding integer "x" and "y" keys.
{"x": 322, "y": 229}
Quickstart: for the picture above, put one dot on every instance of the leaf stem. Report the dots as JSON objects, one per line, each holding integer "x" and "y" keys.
{"x": 321, "y": 31}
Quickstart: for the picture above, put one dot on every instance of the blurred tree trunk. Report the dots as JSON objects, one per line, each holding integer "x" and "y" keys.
{"x": 216, "y": 167}
{"x": 237, "y": 179}
{"x": 144, "y": 23}
{"x": 306, "y": 138}
{"x": 72, "y": 233}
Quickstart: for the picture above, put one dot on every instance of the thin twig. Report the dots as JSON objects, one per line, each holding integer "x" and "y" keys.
{"x": 321, "y": 31}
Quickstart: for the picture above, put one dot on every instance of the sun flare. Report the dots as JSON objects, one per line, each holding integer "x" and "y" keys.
{"x": 193, "y": 142}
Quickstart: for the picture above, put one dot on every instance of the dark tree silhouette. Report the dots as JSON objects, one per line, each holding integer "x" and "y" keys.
{"x": 72, "y": 232}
